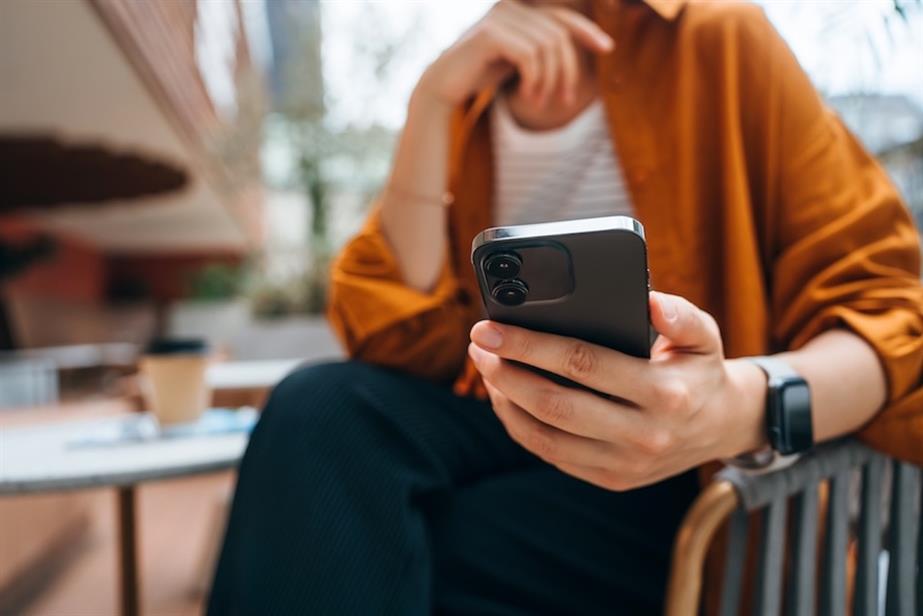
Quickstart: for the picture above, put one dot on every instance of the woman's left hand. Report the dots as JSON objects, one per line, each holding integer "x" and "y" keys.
{"x": 651, "y": 419}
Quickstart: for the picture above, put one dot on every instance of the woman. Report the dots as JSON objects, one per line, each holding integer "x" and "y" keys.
{"x": 372, "y": 487}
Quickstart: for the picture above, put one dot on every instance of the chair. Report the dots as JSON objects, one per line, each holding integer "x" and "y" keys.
{"x": 788, "y": 502}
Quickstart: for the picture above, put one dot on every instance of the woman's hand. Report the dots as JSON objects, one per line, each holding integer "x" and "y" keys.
{"x": 538, "y": 43}
{"x": 655, "y": 418}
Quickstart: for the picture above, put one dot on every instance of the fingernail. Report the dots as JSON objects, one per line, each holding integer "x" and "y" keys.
{"x": 487, "y": 336}
{"x": 475, "y": 353}
{"x": 667, "y": 307}
{"x": 607, "y": 43}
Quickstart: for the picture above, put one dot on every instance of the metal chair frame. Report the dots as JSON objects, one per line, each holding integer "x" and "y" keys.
{"x": 735, "y": 494}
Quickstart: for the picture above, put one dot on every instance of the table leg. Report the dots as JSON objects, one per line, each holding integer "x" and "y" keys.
{"x": 129, "y": 589}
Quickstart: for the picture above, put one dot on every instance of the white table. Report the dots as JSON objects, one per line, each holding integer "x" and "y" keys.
{"x": 248, "y": 382}
{"x": 249, "y": 374}
{"x": 98, "y": 453}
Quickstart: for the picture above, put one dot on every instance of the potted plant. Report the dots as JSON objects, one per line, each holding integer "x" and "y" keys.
{"x": 215, "y": 308}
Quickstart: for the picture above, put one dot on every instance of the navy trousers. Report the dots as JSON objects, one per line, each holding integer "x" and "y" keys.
{"x": 366, "y": 491}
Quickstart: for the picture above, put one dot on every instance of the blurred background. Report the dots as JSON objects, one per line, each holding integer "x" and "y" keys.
{"x": 188, "y": 168}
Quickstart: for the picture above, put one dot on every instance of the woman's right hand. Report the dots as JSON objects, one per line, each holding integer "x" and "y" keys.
{"x": 540, "y": 44}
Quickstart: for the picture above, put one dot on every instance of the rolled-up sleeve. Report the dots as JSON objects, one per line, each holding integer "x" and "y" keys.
{"x": 382, "y": 320}
{"x": 846, "y": 253}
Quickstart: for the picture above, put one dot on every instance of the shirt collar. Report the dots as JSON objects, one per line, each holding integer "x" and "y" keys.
{"x": 668, "y": 9}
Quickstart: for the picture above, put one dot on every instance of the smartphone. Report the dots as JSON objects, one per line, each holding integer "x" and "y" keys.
{"x": 585, "y": 278}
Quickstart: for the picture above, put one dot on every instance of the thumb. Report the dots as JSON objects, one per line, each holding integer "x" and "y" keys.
{"x": 684, "y": 326}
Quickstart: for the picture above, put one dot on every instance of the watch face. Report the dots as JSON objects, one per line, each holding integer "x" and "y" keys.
{"x": 795, "y": 427}
{"x": 796, "y": 395}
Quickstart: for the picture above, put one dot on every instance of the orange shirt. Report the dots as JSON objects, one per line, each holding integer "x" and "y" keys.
{"x": 758, "y": 205}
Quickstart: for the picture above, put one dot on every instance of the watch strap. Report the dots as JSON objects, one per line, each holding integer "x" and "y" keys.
{"x": 774, "y": 367}
{"x": 788, "y": 407}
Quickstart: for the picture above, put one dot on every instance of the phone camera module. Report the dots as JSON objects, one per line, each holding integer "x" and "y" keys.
{"x": 510, "y": 292}
{"x": 503, "y": 265}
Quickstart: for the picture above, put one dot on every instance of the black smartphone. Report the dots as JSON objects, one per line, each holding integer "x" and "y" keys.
{"x": 585, "y": 278}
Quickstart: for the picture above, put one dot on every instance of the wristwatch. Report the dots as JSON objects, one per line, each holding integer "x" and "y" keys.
{"x": 789, "y": 425}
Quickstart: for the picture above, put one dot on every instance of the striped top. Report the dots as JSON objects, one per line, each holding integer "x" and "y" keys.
{"x": 569, "y": 172}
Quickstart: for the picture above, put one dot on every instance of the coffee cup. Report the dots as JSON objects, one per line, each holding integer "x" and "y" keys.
{"x": 173, "y": 380}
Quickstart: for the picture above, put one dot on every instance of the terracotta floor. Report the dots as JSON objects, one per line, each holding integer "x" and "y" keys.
{"x": 177, "y": 520}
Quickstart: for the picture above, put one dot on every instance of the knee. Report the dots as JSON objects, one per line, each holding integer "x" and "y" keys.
{"x": 318, "y": 379}
{"x": 314, "y": 400}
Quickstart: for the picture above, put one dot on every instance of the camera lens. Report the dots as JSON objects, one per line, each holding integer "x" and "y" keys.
{"x": 503, "y": 265}
{"x": 510, "y": 292}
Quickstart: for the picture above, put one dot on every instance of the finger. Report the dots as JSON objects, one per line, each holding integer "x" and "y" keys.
{"x": 537, "y": 30}
{"x": 497, "y": 398}
{"x": 661, "y": 345}
{"x": 571, "y": 410}
{"x": 684, "y": 326}
{"x": 551, "y": 70}
{"x": 548, "y": 443}
{"x": 570, "y": 70}
{"x": 548, "y": 35}
{"x": 604, "y": 370}
{"x": 526, "y": 56}
{"x": 517, "y": 49}
{"x": 559, "y": 58}
{"x": 611, "y": 479}
{"x": 596, "y": 476}
{"x": 496, "y": 74}
{"x": 584, "y": 30}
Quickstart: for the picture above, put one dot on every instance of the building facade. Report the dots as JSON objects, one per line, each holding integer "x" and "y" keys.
{"x": 130, "y": 139}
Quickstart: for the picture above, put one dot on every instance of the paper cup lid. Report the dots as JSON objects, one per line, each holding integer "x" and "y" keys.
{"x": 176, "y": 346}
